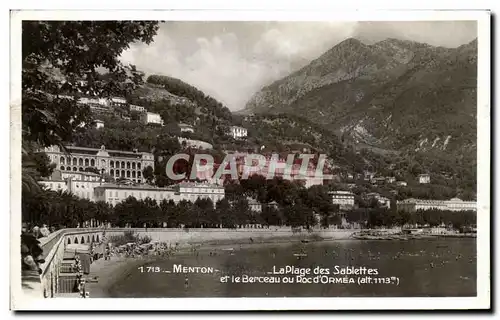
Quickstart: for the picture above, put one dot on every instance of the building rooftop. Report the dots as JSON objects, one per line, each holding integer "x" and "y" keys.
{"x": 413, "y": 200}
{"x": 341, "y": 192}
{"x": 104, "y": 149}
{"x": 135, "y": 187}
{"x": 198, "y": 185}
{"x": 86, "y": 173}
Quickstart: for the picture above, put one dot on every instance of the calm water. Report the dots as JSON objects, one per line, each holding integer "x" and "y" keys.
{"x": 424, "y": 268}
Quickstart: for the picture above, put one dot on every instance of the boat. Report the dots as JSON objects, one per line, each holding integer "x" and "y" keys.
{"x": 228, "y": 249}
{"x": 305, "y": 240}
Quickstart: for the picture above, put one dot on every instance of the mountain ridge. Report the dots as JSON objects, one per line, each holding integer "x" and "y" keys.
{"x": 369, "y": 87}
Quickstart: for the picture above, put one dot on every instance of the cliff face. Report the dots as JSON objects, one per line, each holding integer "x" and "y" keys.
{"x": 393, "y": 94}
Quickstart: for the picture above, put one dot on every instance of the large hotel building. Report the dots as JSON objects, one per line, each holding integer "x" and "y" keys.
{"x": 188, "y": 191}
{"x": 455, "y": 204}
{"x": 70, "y": 175}
{"x": 117, "y": 163}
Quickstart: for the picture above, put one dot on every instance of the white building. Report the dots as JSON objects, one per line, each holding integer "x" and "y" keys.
{"x": 114, "y": 193}
{"x": 99, "y": 124}
{"x": 454, "y": 204}
{"x": 151, "y": 117}
{"x": 81, "y": 184}
{"x": 186, "y": 127}
{"x": 118, "y": 101}
{"x": 254, "y": 205}
{"x": 191, "y": 191}
{"x": 94, "y": 100}
{"x": 79, "y": 176}
{"x": 137, "y": 108}
{"x": 238, "y": 132}
{"x": 344, "y": 199}
{"x": 384, "y": 202}
{"x": 390, "y": 179}
{"x": 55, "y": 184}
{"x": 424, "y": 178}
{"x": 198, "y": 144}
{"x": 116, "y": 163}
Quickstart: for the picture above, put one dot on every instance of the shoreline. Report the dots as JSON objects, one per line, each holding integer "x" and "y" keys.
{"x": 110, "y": 272}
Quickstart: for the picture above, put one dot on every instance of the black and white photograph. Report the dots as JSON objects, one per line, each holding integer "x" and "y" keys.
{"x": 165, "y": 155}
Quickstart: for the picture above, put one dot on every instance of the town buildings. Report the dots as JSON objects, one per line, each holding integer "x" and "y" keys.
{"x": 254, "y": 205}
{"x": 378, "y": 180}
{"x": 116, "y": 193}
{"x": 189, "y": 191}
{"x": 99, "y": 124}
{"x": 401, "y": 183}
{"x": 81, "y": 184}
{"x": 137, "y": 108}
{"x": 197, "y": 144}
{"x": 186, "y": 128}
{"x": 454, "y": 204}
{"x": 424, "y": 178}
{"x": 151, "y": 117}
{"x": 118, "y": 101}
{"x": 116, "y": 163}
{"x": 238, "y": 132}
{"x": 280, "y": 168}
{"x": 390, "y": 179}
{"x": 382, "y": 201}
{"x": 344, "y": 199}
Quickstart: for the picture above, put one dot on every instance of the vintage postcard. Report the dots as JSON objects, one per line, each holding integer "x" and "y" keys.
{"x": 321, "y": 161}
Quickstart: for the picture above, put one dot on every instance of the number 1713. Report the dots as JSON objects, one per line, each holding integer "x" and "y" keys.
{"x": 149, "y": 269}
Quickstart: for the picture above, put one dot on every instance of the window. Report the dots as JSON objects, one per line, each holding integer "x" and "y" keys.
{"x": 116, "y": 194}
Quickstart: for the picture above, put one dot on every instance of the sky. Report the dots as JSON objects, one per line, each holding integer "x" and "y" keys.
{"x": 233, "y": 60}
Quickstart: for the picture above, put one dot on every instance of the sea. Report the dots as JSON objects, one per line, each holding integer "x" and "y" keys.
{"x": 346, "y": 268}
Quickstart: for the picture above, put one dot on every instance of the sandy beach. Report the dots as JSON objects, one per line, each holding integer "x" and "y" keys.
{"x": 110, "y": 272}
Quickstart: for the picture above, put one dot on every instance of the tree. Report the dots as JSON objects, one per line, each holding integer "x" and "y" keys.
{"x": 148, "y": 174}
{"x": 319, "y": 200}
{"x": 60, "y": 61}
{"x": 62, "y": 58}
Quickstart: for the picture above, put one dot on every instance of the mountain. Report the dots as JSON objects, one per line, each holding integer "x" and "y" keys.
{"x": 391, "y": 95}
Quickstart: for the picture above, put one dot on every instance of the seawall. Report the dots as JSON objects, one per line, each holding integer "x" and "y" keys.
{"x": 184, "y": 237}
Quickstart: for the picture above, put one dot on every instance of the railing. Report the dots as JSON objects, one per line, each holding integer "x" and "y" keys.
{"x": 52, "y": 244}
{"x": 53, "y": 247}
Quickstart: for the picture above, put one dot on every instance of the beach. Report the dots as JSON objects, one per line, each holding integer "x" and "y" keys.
{"x": 109, "y": 272}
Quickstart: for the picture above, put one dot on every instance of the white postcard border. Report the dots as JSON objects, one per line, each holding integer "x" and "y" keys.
{"x": 483, "y": 189}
